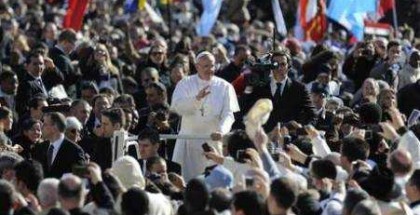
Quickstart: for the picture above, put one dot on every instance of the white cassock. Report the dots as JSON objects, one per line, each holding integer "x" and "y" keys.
{"x": 213, "y": 113}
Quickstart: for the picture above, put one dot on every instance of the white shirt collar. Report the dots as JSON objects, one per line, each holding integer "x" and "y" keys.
{"x": 273, "y": 85}
{"x": 57, "y": 144}
{"x": 60, "y": 48}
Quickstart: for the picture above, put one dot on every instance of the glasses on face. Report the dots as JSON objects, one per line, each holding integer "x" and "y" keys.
{"x": 101, "y": 52}
{"x": 281, "y": 64}
{"x": 74, "y": 131}
{"x": 157, "y": 53}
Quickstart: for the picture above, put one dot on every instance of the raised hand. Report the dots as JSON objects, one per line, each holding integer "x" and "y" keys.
{"x": 203, "y": 93}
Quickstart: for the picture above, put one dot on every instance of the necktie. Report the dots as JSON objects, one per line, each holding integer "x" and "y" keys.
{"x": 50, "y": 155}
{"x": 44, "y": 91}
{"x": 277, "y": 94}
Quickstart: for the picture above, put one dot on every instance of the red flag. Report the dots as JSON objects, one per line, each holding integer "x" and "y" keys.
{"x": 75, "y": 13}
{"x": 313, "y": 19}
{"x": 384, "y": 6}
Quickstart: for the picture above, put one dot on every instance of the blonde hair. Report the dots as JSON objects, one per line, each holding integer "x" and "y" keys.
{"x": 113, "y": 69}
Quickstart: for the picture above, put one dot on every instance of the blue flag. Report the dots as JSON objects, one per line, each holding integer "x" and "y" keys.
{"x": 131, "y": 6}
{"x": 351, "y": 14}
{"x": 209, "y": 17}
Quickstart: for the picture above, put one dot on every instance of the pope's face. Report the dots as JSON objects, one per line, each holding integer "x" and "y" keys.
{"x": 206, "y": 67}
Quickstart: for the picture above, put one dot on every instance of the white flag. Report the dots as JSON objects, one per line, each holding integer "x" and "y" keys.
{"x": 278, "y": 17}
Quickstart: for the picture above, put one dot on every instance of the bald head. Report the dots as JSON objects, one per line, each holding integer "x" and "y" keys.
{"x": 400, "y": 162}
{"x": 71, "y": 192}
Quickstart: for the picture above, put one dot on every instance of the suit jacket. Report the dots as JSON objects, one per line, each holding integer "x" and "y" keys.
{"x": 28, "y": 88}
{"x": 68, "y": 155}
{"x": 293, "y": 104}
{"x": 102, "y": 151}
{"x": 172, "y": 166}
{"x": 63, "y": 62}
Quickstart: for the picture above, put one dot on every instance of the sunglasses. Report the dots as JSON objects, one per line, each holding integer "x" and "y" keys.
{"x": 157, "y": 53}
{"x": 74, "y": 131}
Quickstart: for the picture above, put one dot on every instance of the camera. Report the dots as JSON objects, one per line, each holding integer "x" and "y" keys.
{"x": 276, "y": 157}
{"x": 260, "y": 71}
{"x": 206, "y": 147}
{"x": 241, "y": 155}
{"x": 249, "y": 181}
{"x": 154, "y": 177}
{"x": 287, "y": 140}
{"x": 371, "y": 131}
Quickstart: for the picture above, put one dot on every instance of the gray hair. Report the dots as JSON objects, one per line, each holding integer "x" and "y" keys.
{"x": 8, "y": 159}
{"x": 48, "y": 192}
{"x": 73, "y": 122}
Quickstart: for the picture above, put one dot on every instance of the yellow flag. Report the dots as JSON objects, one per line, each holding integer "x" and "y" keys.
{"x": 164, "y": 2}
{"x": 142, "y": 4}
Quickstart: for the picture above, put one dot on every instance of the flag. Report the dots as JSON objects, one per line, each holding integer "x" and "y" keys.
{"x": 351, "y": 14}
{"x": 385, "y": 6}
{"x": 278, "y": 17}
{"x": 132, "y": 6}
{"x": 75, "y": 12}
{"x": 211, "y": 9}
{"x": 312, "y": 19}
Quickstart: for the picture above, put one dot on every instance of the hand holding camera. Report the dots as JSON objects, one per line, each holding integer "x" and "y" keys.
{"x": 211, "y": 154}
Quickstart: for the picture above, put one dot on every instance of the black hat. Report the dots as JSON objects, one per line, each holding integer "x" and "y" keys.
{"x": 319, "y": 88}
{"x": 381, "y": 185}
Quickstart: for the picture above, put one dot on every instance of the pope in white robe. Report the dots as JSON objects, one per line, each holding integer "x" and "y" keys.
{"x": 206, "y": 104}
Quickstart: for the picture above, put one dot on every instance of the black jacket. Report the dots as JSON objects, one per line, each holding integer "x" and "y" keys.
{"x": 63, "y": 62}
{"x": 68, "y": 155}
{"x": 28, "y": 88}
{"x": 294, "y": 104}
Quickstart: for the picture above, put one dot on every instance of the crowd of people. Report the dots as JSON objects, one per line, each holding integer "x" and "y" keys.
{"x": 264, "y": 125}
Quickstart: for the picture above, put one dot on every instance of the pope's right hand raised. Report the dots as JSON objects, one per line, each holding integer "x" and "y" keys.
{"x": 203, "y": 93}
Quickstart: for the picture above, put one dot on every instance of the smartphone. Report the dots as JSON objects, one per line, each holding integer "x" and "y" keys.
{"x": 287, "y": 140}
{"x": 241, "y": 156}
{"x": 249, "y": 182}
{"x": 80, "y": 170}
{"x": 206, "y": 147}
{"x": 368, "y": 134}
{"x": 276, "y": 157}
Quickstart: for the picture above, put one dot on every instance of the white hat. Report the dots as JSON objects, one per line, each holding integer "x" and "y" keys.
{"x": 128, "y": 170}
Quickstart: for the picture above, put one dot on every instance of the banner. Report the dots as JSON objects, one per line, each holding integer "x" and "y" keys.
{"x": 75, "y": 13}
{"x": 351, "y": 14}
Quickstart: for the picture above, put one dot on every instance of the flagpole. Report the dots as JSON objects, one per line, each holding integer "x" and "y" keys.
{"x": 394, "y": 16}
{"x": 169, "y": 14}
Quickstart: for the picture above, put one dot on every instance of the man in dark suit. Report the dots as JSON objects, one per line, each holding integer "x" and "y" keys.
{"x": 58, "y": 155}
{"x": 60, "y": 55}
{"x": 149, "y": 143}
{"x": 290, "y": 98}
{"x": 234, "y": 68}
{"x": 32, "y": 83}
{"x": 319, "y": 94}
